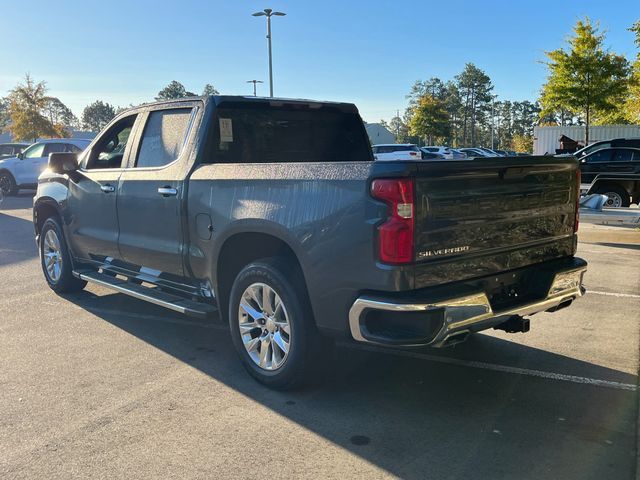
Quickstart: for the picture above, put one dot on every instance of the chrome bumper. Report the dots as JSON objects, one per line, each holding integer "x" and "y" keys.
{"x": 469, "y": 313}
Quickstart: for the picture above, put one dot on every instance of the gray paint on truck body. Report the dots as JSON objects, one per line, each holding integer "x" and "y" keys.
{"x": 324, "y": 212}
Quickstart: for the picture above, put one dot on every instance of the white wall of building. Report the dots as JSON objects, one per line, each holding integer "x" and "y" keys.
{"x": 547, "y": 139}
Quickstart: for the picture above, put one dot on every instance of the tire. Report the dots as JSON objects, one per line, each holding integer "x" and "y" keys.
{"x": 55, "y": 260}
{"x": 8, "y": 184}
{"x": 285, "y": 322}
{"x": 618, "y": 196}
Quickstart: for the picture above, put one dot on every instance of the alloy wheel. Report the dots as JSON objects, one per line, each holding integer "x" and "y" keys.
{"x": 264, "y": 326}
{"x": 52, "y": 256}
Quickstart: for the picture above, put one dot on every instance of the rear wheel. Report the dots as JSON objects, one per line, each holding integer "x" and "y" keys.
{"x": 271, "y": 324}
{"x": 55, "y": 259}
{"x": 618, "y": 196}
{"x": 8, "y": 184}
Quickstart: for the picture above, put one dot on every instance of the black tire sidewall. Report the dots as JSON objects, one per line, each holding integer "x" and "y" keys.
{"x": 270, "y": 273}
{"x": 13, "y": 188}
{"x": 626, "y": 198}
{"x": 67, "y": 282}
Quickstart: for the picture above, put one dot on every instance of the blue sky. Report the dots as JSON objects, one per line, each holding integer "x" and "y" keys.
{"x": 366, "y": 52}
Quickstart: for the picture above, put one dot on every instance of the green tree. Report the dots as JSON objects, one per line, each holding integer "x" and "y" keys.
{"x": 522, "y": 143}
{"x": 4, "y": 113}
{"x": 475, "y": 92}
{"x": 174, "y": 90}
{"x": 399, "y": 128}
{"x": 27, "y": 102}
{"x": 586, "y": 79}
{"x": 97, "y": 115}
{"x": 60, "y": 116}
{"x": 209, "y": 90}
{"x": 430, "y": 120}
{"x": 632, "y": 103}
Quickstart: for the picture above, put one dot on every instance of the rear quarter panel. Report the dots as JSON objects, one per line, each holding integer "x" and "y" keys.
{"x": 322, "y": 211}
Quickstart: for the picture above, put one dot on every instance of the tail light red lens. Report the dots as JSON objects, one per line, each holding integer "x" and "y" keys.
{"x": 395, "y": 236}
{"x": 576, "y": 224}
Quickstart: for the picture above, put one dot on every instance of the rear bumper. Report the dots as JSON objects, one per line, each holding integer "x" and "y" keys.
{"x": 441, "y": 322}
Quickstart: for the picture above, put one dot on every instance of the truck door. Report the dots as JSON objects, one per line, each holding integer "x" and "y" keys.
{"x": 151, "y": 191}
{"x": 28, "y": 169}
{"x": 594, "y": 164}
{"x": 622, "y": 161}
{"x": 93, "y": 227}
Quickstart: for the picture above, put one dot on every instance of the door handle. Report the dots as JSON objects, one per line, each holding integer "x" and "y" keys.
{"x": 107, "y": 188}
{"x": 167, "y": 191}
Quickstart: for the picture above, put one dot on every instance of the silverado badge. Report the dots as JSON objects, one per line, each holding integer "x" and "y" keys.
{"x": 443, "y": 251}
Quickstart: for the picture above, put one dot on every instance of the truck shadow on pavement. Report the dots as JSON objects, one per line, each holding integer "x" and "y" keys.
{"x": 12, "y": 246}
{"x": 423, "y": 419}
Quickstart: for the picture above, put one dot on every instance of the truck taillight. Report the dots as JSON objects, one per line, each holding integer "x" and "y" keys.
{"x": 576, "y": 224}
{"x": 395, "y": 236}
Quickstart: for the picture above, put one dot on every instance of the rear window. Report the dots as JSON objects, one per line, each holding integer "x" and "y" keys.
{"x": 261, "y": 133}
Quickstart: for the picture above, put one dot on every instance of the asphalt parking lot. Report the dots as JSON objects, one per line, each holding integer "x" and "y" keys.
{"x": 98, "y": 385}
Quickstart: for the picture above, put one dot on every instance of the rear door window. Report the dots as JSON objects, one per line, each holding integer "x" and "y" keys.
{"x": 164, "y": 137}
{"x": 266, "y": 133}
{"x": 622, "y": 155}
{"x": 56, "y": 148}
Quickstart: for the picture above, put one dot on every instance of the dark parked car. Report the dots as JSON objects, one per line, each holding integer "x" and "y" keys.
{"x": 614, "y": 172}
{"x": 616, "y": 142}
{"x": 273, "y": 212}
{"x": 8, "y": 150}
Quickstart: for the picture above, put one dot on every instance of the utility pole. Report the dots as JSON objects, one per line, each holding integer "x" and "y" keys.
{"x": 397, "y": 124}
{"x": 267, "y": 12}
{"x": 492, "y": 120}
{"x": 254, "y": 85}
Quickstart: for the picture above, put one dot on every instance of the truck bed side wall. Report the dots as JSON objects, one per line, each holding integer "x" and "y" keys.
{"x": 323, "y": 212}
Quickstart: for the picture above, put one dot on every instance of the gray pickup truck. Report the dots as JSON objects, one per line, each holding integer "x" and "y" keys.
{"x": 274, "y": 213}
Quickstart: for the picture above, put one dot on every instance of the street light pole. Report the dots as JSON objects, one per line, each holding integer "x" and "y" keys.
{"x": 267, "y": 12}
{"x": 493, "y": 119}
{"x": 254, "y": 85}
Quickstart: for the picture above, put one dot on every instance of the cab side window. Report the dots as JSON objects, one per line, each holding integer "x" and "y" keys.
{"x": 164, "y": 137}
{"x": 108, "y": 152}
{"x": 35, "y": 151}
{"x": 600, "y": 156}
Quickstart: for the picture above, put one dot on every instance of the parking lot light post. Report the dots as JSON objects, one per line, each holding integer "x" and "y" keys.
{"x": 267, "y": 12}
{"x": 254, "y": 85}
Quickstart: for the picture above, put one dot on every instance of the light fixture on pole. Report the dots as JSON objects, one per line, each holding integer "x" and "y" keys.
{"x": 254, "y": 85}
{"x": 267, "y": 12}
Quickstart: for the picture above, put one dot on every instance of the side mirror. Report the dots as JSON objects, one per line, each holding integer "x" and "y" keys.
{"x": 63, "y": 162}
{"x": 20, "y": 155}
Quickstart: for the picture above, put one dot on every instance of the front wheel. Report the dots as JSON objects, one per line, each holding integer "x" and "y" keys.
{"x": 271, "y": 325}
{"x": 55, "y": 259}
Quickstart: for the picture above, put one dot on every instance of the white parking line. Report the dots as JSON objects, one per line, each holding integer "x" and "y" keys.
{"x": 611, "y": 294}
{"x": 499, "y": 368}
{"x": 407, "y": 353}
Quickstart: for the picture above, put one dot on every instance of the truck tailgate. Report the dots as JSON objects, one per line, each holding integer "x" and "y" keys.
{"x": 486, "y": 216}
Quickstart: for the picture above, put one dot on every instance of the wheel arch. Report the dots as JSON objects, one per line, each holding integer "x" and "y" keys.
{"x": 243, "y": 247}
{"x": 45, "y": 207}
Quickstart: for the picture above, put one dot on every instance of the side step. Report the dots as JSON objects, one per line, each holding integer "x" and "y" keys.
{"x": 152, "y": 295}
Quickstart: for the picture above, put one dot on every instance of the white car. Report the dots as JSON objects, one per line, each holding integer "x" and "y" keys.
{"x": 23, "y": 171}
{"x": 446, "y": 152}
{"x": 397, "y": 151}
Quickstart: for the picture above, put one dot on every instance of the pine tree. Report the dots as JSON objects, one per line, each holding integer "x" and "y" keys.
{"x": 586, "y": 79}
